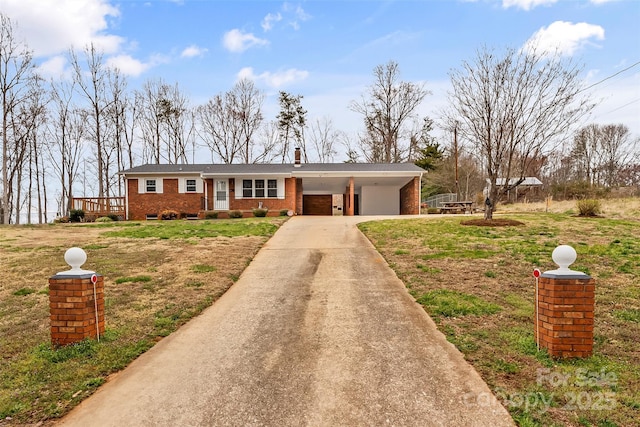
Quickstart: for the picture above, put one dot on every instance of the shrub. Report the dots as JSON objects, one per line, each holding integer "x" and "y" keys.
{"x": 61, "y": 220}
{"x": 589, "y": 207}
{"x": 113, "y": 217}
{"x": 433, "y": 210}
{"x": 168, "y": 214}
{"x": 76, "y": 215}
{"x": 260, "y": 212}
{"x": 284, "y": 212}
{"x": 235, "y": 214}
{"x": 211, "y": 215}
{"x": 104, "y": 219}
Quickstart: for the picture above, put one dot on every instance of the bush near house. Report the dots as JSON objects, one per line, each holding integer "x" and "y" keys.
{"x": 260, "y": 213}
{"x": 168, "y": 214}
{"x": 235, "y": 214}
{"x": 211, "y": 215}
{"x": 76, "y": 215}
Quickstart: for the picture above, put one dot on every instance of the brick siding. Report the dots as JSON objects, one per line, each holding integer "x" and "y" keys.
{"x": 141, "y": 205}
{"x": 410, "y": 197}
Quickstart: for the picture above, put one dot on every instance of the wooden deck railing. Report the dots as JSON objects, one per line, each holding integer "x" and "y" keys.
{"x": 101, "y": 206}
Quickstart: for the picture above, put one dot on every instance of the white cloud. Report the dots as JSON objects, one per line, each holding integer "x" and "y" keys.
{"x": 193, "y": 51}
{"x": 564, "y": 37}
{"x": 274, "y": 80}
{"x": 127, "y": 65}
{"x": 267, "y": 22}
{"x": 237, "y": 41}
{"x": 52, "y": 27}
{"x": 526, "y": 4}
{"x": 134, "y": 67}
{"x": 55, "y": 68}
{"x": 299, "y": 15}
{"x": 602, "y": 1}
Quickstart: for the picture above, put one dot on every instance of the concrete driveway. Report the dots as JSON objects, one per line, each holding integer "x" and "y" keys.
{"x": 318, "y": 331}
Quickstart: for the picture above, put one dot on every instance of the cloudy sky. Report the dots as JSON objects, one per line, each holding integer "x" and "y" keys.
{"x": 326, "y": 50}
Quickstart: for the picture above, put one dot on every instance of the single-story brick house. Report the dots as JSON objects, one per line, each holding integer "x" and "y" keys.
{"x": 302, "y": 188}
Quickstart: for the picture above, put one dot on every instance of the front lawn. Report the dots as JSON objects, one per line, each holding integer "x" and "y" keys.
{"x": 477, "y": 284}
{"x": 157, "y": 276}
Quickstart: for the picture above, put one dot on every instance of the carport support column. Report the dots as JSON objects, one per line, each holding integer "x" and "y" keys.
{"x": 350, "y": 209}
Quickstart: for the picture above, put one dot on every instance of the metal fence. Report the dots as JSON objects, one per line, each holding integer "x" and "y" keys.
{"x": 437, "y": 200}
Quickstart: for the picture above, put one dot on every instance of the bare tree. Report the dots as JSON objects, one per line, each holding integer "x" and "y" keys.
{"x": 617, "y": 152}
{"x": 67, "y": 130}
{"x": 512, "y": 108}
{"x": 387, "y": 108}
{"x": 228, "y": 122}
{"x": 248, "y": 111}
{"x": 165, "y": 122}
{"x": 266, "y": 150}
{"x": 28, "y": 125}
{"x": 15, "y": 69}
{"x": 323, "y": 138}
{"x": 117, "y": 118}
{"x": 92, "y": 85}
{"x": 219, "y": 129}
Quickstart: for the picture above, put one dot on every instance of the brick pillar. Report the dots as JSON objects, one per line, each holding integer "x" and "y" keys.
{"x": 73, "y": 308}
{"x": 351, "y": 195}
{"x": 564, "y": 315}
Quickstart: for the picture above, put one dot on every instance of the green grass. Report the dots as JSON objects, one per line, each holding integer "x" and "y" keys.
{"x": 133, "y": 279}
{"x": 449, "y": 303}
{"x": 479, "y": 289}
{"x": 631, "y": 315}
{"x": 24, "y": 291}
{"x": 196, "y": 229}
{"x": 203, "y": 268}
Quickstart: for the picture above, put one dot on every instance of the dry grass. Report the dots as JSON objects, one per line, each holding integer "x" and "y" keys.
{"x": 152, "y": 286}
{"x": 439, "y": 257}
{"x": 623, "y": 208}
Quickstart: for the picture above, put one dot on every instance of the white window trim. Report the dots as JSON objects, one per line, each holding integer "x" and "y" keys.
{"x": 239, "y": 189}
{"x": 142, "y": 185}
{"x": 182, "y": 185}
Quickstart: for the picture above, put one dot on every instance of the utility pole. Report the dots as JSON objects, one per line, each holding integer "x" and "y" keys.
{"x": 455, "y": 155}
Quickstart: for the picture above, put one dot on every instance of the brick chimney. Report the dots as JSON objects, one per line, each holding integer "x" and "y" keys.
{"x": 297, "y": 157}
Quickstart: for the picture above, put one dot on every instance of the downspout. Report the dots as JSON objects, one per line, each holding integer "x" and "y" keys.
{"x": 126, "y": 197}
{"x": 420, "y": 194}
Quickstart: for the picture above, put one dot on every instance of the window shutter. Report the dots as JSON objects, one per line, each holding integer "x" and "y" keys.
{"x": 281, "y": 188}
{"x": 142, "y": 182}
{"x": 159, "y": 185}
{"x": 199, "y": 186}
{"x": 182, "y": 185}
{"x": 238, "y": 190}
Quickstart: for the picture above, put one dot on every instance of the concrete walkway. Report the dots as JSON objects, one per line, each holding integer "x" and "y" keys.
{"x": 318, "y": 331}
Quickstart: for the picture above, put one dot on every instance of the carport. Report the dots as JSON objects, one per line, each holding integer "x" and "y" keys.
{"x": 359, "y": 188}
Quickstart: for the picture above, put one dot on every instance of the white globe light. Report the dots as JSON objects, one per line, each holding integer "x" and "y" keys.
{"x": 75, "y": 257}
{"x": 564, "y": 256}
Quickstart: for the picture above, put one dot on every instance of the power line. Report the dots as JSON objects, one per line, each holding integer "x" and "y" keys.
{"x": 622, "y": 106}
{"x": 611, "y": 76}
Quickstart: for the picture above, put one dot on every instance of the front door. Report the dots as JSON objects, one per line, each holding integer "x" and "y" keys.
{"x": 221, "y": 197}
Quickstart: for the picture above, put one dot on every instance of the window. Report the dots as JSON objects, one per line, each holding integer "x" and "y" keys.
{"x": 259, "y": 187}
{"x": 151, "y": 185}
{"x": 272, "y": 188}
{"x": 247, "y": 188}
{"x": 191, "y": 186}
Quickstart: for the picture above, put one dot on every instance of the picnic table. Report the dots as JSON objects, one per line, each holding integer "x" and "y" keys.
{"x": 456, "y": 207}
